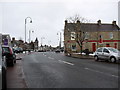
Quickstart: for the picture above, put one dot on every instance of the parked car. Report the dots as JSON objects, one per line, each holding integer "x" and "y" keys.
{"x": 62, "y": 50}
{"x": 41, "y": 50}
{"x": 107, "y": 53}
{"x": 10, "y": 55}
{"x": 3, "y": 84}
{"x": 18, "y": 50}
{"x": 57, "y": 50}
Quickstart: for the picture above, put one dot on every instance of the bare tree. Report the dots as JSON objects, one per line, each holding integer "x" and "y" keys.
{"x": 76, "y": 17}
{"x": 79, "y": 28}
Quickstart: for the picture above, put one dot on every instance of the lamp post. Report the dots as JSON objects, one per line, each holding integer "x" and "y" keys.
{"x": 42, "y": 40}
{"x": 25, "y": 28}
{"x": 49, "y": 42}
{"x": 25, "y": 25}
{"x": 60, "y": 40}
{"x": 30, "y": 35}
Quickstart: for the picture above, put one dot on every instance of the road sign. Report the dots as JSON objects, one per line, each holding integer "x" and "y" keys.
{"x": 5, "y": 41}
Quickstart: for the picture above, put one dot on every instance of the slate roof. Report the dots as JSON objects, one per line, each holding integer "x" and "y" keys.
{"x": 93, "y": 27}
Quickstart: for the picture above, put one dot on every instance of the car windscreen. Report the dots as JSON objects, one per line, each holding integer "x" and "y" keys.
{"x": 5, "y": 49}
{"x": 113, "y": 50}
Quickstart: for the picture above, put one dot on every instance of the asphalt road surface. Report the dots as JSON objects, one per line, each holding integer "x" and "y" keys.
{"x": 54, "y": 70}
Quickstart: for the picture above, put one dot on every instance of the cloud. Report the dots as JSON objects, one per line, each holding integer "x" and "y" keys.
{"x": 48, "y": 15}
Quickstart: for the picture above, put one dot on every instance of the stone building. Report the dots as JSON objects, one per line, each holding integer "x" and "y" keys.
{"x": 17, "y": 43}
{"x": 25, "y": 46}
{"x": 96, "y": 35}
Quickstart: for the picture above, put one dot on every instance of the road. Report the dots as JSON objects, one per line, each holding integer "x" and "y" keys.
{"x": 54, "y": 70}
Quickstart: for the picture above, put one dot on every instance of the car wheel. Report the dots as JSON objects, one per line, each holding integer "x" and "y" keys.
{"x": 112, "y": 59}
{"x": 96, "y": 58}
{"x": 4, "y": 82}
{"x": 15, "y": 61}
{"x": 12, "y": 63}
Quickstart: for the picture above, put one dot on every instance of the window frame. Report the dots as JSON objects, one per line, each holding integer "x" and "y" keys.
{"x": 73, "y": 35}
{"x": 99, "y": 49}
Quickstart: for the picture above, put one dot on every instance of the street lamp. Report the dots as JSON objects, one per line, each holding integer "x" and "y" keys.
{"x": 49, "y": 42}
{"x": 60, "y": 40}
{"x": 25, "y": 28}
{"x": 30, "y": 35}
{"x": 25, "y": 25}
{"x": 42, "y": 40}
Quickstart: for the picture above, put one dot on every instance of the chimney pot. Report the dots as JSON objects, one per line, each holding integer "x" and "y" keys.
{"x": 78, "y": 21}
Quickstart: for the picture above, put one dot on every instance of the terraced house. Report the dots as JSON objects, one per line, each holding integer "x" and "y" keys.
{"x": 93, "y": 35}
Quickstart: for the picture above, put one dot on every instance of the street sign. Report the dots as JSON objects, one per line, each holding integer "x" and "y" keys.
{"x": 5, "y": 41}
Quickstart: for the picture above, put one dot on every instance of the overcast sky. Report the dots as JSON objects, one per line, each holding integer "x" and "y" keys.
{"x": 48, "y": 16}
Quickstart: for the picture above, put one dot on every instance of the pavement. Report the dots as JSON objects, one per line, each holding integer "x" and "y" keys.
{"x": 15, "y": 77}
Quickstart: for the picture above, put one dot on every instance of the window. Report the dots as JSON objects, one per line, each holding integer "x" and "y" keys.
{"x": 101, "y": 39}
{"x": 105, "y": 50}
{"x": 113, "y": 50}
{"x": 99, "y": 50}
{"x": 72, "y": 35}
{"x": 115, "y": 45}
{"x": 86, "y": 35}
{"x": 73, "y": 47}
{"x": 5, "y": 49}
{"x": 111, "y": 35}
{"x": 107, "y": 45}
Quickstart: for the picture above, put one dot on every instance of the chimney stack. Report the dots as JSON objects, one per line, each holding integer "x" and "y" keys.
{"x": 99, "y": 22}
{"x": 65, "y": 22}
{"x": 114, "y": 22}
{"x": 78, "y": 21}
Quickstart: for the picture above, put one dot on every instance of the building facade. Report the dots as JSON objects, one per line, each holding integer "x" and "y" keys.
{"x": 94, "y": 35}
{"x": 17, "y": 43}
{"x": 25, "y": 46}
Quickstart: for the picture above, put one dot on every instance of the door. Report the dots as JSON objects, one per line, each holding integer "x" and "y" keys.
{"x": 94, "y": 47}
{"x": 115, "y": 45}
{"x": 107, "y": 45}
{"x": 105, "y": 54}
{"x": 99, "y": 53}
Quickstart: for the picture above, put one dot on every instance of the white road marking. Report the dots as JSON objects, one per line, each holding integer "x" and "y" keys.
{"x": 115, "y": 76}
{"x": 66, "y": 62}
{"x": 51, "y": 58}
{"x": 100, "y": 72}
